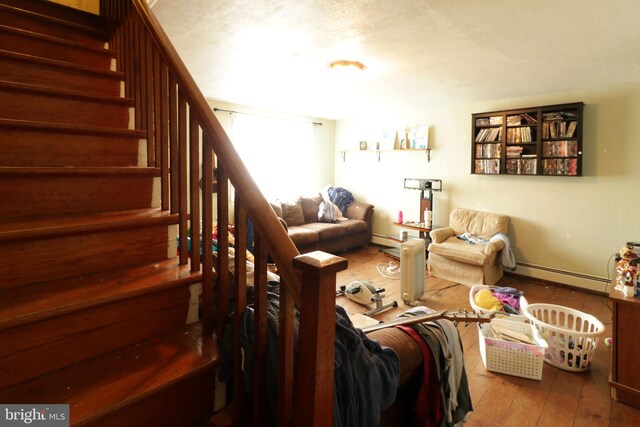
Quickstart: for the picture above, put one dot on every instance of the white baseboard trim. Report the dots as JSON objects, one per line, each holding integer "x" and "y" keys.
{"x": 382, "y": 240}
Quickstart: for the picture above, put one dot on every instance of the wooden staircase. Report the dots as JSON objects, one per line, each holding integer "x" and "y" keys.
{"x": 93, "y": 300}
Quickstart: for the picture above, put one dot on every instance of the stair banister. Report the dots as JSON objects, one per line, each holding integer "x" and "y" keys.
{"x": 165, "y": 92}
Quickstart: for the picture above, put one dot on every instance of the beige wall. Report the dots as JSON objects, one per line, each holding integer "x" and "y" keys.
{"x": 573, "y": 225}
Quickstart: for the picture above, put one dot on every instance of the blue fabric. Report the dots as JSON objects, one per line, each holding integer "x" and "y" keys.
{"x": 341, "y": 198}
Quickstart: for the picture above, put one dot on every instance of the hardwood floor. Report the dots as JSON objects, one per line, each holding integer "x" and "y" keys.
{"x": 561, "y": 398}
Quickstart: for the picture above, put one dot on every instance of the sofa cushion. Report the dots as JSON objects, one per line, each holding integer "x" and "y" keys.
{"x": 292, "y": 212}
{"x": 353, "y": 225}
{"x": 310, "y": 207}
{"x": 277, "y": 208}
{"x": 327, "y": 230}
{"x": 460, "y": 250}
{"x": 302, "y": 236}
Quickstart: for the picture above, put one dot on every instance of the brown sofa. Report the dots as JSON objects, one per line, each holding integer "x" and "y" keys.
{"x": 300, "y": 217}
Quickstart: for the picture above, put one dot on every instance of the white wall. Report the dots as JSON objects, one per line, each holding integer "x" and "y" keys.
{"x": 569, "y": 224}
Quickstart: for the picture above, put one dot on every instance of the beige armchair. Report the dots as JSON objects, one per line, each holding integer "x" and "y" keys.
{"x": 458, "y": 260}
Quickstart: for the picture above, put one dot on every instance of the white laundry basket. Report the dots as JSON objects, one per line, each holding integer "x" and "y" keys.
{"x": 572, "y": 335}
{"x": 498, "y": 314}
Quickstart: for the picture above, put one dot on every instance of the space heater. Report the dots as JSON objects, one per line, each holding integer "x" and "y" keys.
{"x": 412, "y": 270}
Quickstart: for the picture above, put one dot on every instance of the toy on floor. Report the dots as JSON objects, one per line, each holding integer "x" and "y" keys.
{"x": 363, "y": 292}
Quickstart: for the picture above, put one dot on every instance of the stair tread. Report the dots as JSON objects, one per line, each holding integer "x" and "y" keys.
{"x": 98, "y": 386}
{"x": 100, "y": 33}
{"x": 71, "y": 128}
{"x": 57, "y": 40}
{"x": 38, "y": 227}
{"x": 75, "y": 94}
{"x": 57, "y": 297}
{"x": 118, "y": 75}
{"x": 60, "y": 11}
{"x": 78, "y": 170}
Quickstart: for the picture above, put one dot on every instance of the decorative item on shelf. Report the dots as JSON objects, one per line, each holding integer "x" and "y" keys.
{"x": 387, "y": 139}
{"x": 418, "y": 138}
{"x": 627, "y": 270}
{"x": 363, "y": 145}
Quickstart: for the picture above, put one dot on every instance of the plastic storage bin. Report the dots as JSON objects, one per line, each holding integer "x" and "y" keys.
{"x": 512, "y": 358}
{"x": 571, "y": 334}
{"x": 498, "y": 314}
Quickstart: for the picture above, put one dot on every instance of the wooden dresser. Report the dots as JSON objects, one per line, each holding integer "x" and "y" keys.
{"x": 625, "y": 367}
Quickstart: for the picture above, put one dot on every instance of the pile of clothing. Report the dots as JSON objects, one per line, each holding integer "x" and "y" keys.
{"x": 444, "y": 398}
{"x": 498, "y": 298}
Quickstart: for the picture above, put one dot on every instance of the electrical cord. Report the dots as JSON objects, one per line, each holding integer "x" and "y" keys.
{"x": 390, "y": 270}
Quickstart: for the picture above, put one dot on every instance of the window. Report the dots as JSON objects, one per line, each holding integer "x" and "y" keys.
{"x": 277, "y": 152}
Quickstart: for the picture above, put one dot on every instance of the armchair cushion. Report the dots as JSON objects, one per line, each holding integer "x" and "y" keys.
{"x": 459, "y": 250}
{"x": 477, "y": 223}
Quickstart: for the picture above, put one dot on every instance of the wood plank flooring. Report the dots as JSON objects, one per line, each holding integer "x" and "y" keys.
{"x": 561, "y": 398}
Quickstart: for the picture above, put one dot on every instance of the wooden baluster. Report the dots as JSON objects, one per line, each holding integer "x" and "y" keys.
{"x": 173, "y": 144}
{"x": 132, "y": 52}
{"x": 136, "y": 58}
{"x": 129, "y": 84}
{"x": 157, "y": 108}
{"x": 164, "y": 134}
{"x": 149, "y": 98}
{"x": 316, "y": 338}
{"x": 194, "y": 187}
{"x": 222, "y": 261}
{"x": 142, "y": 79}
{"x": 260, "y": 409}
{"x": 240, "y": 294}
{"x": 285, "y": 356}
{"x": 182, "y": 176}
{"x": 207, "y": 242}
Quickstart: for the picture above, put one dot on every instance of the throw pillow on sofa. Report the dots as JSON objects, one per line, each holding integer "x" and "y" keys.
{"x": 292, "y": 212}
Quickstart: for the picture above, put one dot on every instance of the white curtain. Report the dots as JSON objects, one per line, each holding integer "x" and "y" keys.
{"x": 277, "y": 152}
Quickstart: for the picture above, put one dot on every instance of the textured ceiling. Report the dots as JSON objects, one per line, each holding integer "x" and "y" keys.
{"x": 274, "y": 54}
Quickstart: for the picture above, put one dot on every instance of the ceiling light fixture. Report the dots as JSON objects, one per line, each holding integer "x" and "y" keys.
{"x": 347, "y": 64}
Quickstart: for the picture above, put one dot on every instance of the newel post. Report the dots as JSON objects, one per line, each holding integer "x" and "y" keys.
{"x": 316, "y": 338}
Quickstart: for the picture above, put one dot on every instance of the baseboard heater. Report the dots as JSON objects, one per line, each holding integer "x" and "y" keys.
{"x": 556, "y": 275}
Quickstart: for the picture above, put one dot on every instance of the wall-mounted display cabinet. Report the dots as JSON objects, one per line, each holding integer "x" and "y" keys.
{"x": 543, "y": 140}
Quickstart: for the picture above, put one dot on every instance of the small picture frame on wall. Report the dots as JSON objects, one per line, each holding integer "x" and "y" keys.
{"x": 363, "y": 145}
